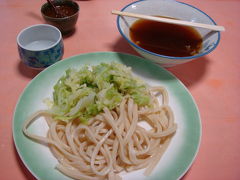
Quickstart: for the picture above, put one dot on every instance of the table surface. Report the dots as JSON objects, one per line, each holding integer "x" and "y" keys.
{"x": 213, "y": 80}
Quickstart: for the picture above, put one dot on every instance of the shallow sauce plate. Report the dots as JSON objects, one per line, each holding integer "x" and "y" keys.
{"x": 176, "y": 160}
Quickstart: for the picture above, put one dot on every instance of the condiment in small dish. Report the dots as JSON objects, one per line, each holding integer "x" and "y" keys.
{"x": 63, "y": 15}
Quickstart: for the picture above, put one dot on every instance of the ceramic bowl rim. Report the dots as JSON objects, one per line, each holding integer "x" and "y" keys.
{"x": 164, "y": 56}
{"x": 39, "y": 25}
{"x": 67, "y": 17}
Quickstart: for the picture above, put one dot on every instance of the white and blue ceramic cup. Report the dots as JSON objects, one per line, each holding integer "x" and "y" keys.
{"x": 40, "y": 45}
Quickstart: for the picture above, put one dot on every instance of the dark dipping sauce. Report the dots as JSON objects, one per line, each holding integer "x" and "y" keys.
{"x": 65, "y": 9}
{"x": 166, "y": 39}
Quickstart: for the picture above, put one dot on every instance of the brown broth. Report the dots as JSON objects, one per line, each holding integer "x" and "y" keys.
{"x": 166, "y": 39}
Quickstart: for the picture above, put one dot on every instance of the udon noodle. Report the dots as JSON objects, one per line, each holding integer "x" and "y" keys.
{"x": 111, "y": 142}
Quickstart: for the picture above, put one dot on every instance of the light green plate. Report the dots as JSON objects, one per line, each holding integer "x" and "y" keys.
{"x": 178, "y": 157}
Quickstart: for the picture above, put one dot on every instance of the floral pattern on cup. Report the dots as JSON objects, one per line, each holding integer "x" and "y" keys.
{"x": 40, "y": 45}
{"x": 42, "y": 59}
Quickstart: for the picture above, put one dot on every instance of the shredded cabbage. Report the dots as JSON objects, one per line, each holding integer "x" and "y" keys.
{"x": 83, "y": 94}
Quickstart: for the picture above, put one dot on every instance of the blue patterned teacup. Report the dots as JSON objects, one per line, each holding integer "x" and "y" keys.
{"x": 40, "y": 46}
